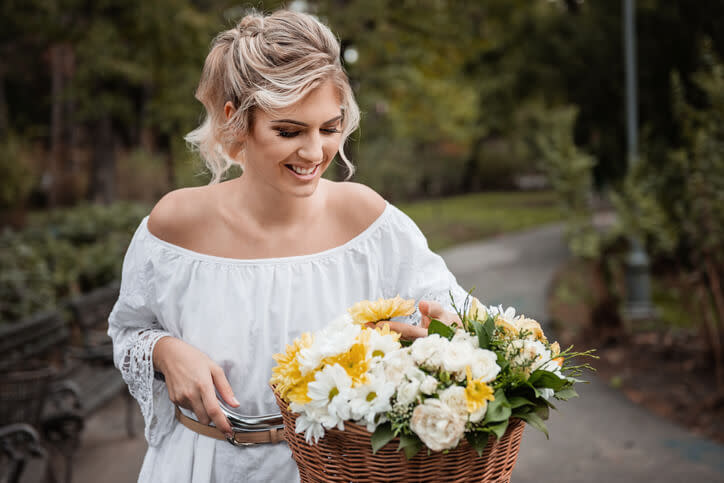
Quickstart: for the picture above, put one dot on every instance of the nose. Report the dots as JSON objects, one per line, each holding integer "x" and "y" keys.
{"x": 311, "y": 149}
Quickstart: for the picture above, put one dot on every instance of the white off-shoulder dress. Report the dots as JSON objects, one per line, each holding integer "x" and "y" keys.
{"x": 240, "y": 313}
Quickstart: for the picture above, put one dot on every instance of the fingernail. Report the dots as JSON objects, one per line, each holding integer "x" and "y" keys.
{"x": 229, "y": 435}
{"x": 235, "y": 401}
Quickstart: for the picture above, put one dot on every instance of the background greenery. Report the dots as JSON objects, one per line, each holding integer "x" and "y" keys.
{"x": 458, "y": 97}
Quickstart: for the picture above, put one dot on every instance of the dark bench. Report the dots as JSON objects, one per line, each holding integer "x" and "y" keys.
{"x": 95, "y": 376}
{"x": 33, "y": 363}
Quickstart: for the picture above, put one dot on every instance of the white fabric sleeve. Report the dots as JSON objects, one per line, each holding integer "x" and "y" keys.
{"x": 134, "y": 329}
{"x": 420, "y": 273}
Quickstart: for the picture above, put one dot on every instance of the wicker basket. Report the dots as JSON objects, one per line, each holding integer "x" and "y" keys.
{"x": 347, "y": 456}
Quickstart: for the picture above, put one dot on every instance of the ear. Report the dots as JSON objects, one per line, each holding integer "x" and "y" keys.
{"x": 229, "y": 110}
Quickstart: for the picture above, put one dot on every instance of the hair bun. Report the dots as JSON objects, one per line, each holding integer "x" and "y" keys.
{"x": 251, "y": 25}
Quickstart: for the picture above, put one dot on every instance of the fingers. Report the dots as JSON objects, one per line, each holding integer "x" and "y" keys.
{"x": 223, "y": 386}
{"x": 213, "y": 410}
{"x": 432, "y": 310}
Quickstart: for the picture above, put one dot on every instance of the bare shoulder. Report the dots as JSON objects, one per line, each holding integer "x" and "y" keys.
{"x": 359, "y": 204}
{"x": 179, "y": 214}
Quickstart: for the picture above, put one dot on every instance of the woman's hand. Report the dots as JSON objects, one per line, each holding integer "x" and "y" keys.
{"x": 428, "y": 311}
{"x": 191, "y": 377}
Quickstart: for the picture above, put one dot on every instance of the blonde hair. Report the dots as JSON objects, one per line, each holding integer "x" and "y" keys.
{"x": 268, "y": 63}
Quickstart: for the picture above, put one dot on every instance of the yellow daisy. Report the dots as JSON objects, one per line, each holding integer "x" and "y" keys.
{"x": 287, "y": 374}
{"x": 383, "y": 309}
{"x": 477, "y": 392}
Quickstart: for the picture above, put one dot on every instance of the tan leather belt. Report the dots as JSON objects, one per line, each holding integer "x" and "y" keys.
{"x": 240, "y": 438}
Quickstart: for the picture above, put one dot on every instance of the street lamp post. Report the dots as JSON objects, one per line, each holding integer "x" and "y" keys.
{"x": 638, "y": 285}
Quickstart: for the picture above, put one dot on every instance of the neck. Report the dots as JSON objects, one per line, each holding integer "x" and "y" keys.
{"x": 270, "y": 209}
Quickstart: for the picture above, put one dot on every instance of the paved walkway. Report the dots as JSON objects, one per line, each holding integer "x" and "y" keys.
{"x": 599, "y": 438}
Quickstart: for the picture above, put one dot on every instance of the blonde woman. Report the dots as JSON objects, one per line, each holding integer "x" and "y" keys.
{"x": 219, "y": 278}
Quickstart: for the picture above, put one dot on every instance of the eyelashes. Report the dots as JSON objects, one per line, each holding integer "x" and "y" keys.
{"x": 285, "y": 133}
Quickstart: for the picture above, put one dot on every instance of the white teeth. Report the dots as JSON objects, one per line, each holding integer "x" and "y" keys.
{"x": 299, "y": 170}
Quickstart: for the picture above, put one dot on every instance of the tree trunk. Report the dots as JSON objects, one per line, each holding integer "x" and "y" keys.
{"x": 101, "y": 188}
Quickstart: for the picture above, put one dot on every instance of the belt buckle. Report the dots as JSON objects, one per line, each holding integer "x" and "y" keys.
{"x": 234, "y": 442}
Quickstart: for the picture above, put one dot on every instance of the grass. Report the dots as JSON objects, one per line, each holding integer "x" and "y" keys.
{"x": 450, "y": 221}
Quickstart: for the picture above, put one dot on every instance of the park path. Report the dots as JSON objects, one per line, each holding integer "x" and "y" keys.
{"x": 599, "y": 438}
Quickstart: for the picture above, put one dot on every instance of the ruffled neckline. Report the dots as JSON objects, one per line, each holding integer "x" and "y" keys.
{"x": 185, "y": 252}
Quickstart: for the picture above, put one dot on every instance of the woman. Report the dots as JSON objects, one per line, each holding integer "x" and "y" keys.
{"x": 219, "y": 278}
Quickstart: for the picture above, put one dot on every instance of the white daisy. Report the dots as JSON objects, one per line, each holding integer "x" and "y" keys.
{"x": 330, "y": 390}
{"x": 371, "y": 400}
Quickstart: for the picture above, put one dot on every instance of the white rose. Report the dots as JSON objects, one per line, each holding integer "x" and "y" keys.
{"x": 457, "y": 357}
{"x": 466, "y": 337}
{"x": 396, "y": 364}
{"x": 408, "y": 391}
{"x": 454, "y": 398}
{"x": 428, "y": 351}
{"x": 429, "y": 385}
{"x": 484, "y": 365}
{"x": 437, "y": 425}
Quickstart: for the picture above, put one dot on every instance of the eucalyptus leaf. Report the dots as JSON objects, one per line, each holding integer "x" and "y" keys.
{"x": 437, "y": 327}
{"x": 541, "y": 378}
{"x": 411, "y": 444}
{"x": 382, "y": 435}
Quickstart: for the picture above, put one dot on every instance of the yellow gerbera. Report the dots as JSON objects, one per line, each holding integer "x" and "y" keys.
{"x": 287, "y": 374}
{"x": 383, "y": 309}
{"x": 476, "y": 392}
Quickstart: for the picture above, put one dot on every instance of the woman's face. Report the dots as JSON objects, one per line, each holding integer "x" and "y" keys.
{"x": 289, "y": 150}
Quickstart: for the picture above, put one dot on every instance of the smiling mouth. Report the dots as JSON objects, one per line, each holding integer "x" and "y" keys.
{"x": 301, "y": 171}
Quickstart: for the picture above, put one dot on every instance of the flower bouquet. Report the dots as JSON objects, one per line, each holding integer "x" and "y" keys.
{"x": 361, "y": 405}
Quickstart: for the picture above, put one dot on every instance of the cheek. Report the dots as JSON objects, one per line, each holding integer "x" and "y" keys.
{"x": 331, "y": 146}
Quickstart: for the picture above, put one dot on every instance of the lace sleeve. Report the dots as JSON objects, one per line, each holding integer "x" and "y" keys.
{"x": 420, "y": 273}
{"x": 134, "y": 329}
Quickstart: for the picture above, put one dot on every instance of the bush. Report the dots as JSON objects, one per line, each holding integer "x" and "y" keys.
{"x": 63, "y": 253}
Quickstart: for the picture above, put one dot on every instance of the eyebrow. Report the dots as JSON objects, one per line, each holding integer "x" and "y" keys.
{"x": 299, "y": 123}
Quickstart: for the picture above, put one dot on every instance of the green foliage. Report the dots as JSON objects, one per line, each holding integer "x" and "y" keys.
{"x": 677, "y": 205}
{"x": 63, "y": 253}
{"x": 443, "y": 330}
{"x": 16, "y": 176}
{"x": 549, "y": 134}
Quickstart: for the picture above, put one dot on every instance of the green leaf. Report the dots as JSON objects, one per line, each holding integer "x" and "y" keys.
{"x": 519, "y": 401}
{"x": 534, "y": 420}
{"x": 382, "y": 435}
{"x": 499, "y": 429}
{"x": 566, "y": 394}
{"x": 437, "y": 327}
{"x": 478, "y": 440}
{"x": 541, "y": 378}
{"x": 483, "y": 337}
{"x": 489, "y": 327}
{"x": 411, "y": 444}
{"x": 543, "y": 412}
{"x": 498, "y": 409}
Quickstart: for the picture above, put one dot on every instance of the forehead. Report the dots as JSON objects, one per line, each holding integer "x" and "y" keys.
{"x": 318, "y": 106}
